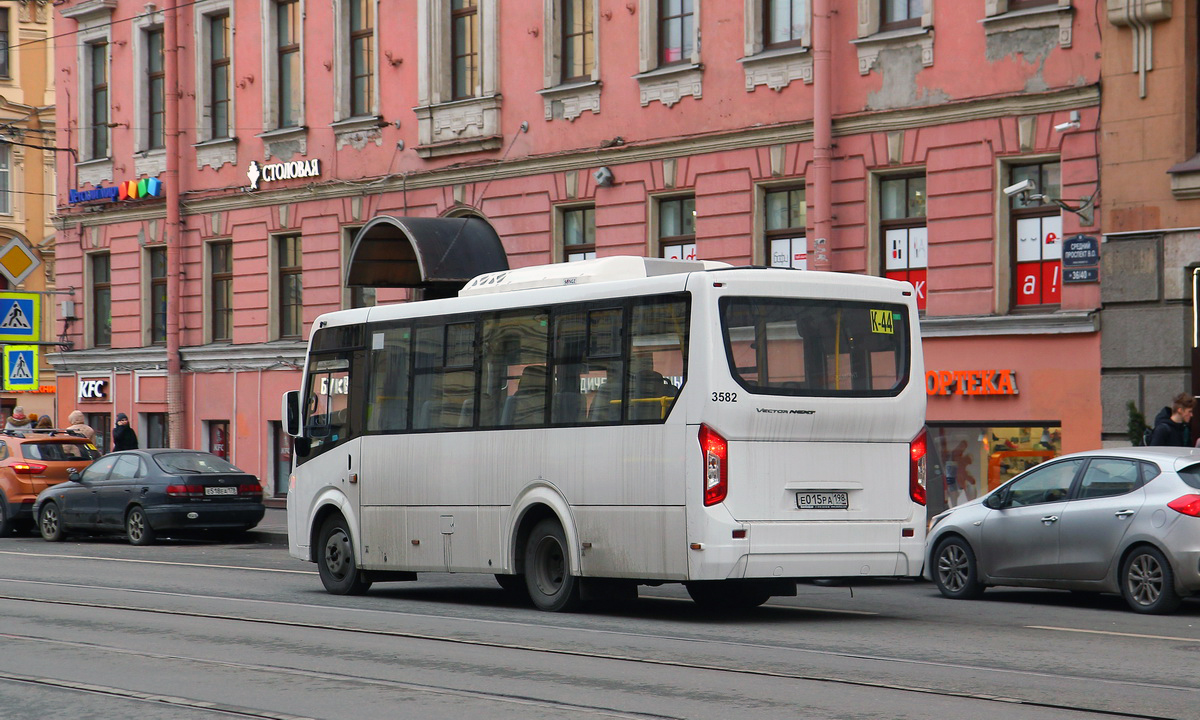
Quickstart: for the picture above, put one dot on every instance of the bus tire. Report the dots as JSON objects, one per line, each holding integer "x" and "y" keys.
{"x": 335, "y": 560}
{"x": 548, "y": 578}
{"x": 728, "y": 594}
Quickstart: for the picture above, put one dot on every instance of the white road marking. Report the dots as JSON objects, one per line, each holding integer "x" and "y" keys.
{"x": 157, "y": 562}
{"x": 1118, "y": 634}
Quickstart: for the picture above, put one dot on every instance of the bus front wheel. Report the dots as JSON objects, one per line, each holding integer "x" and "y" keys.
{"x": 548, "y": 577}
{"x": 335, "y": 560}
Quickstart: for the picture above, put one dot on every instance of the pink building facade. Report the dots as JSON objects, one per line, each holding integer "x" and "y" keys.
{"x": 580, "y": 128}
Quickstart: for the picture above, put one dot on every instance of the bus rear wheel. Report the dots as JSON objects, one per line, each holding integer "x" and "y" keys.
{"x": 335, "y": 560}
{"x": 548, "y": 577}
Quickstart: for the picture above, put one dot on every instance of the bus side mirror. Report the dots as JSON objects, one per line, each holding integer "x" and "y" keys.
{"x": 290, "y": 413}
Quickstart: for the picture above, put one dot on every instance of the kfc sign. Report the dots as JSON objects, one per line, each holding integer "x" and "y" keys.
{"x": 93, "y": 389}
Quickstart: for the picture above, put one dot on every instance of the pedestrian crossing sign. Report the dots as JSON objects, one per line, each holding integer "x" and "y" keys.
{"x": 20, "y": 367}
{"x": 20, "y": 317}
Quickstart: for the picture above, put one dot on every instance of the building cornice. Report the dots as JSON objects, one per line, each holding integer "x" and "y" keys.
{"x": 1064, "y": 322}
{"x": 586, "y": 158}
{"x": 217, "y": 357}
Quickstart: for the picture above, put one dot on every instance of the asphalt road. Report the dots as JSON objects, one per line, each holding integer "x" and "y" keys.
{"x": 101, "y": 629}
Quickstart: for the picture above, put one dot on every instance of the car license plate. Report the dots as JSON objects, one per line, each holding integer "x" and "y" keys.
{"x": 216, "y": 490}
{"x": 822, "y": 500}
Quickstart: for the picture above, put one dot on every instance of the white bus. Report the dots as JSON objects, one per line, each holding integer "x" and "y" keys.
{"x": 583, "y": 428}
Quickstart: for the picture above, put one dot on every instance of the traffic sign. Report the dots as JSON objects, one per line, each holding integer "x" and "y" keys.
{"x": 20, "y": 317}
{"x": 17, "y": 261}
{"x": 20, "y": 367}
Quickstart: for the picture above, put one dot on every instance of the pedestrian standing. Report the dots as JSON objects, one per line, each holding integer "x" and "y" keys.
{"x": 1171, "y": 424}
{"x": 44, "y": 423}
{"x": 124, "y": 438}
{"x": 79, "y": 424}
{"x": 18, "y": 421}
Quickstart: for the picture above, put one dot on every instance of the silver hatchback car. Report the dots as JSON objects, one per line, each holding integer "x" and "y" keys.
{"x": 1124, "y": 520}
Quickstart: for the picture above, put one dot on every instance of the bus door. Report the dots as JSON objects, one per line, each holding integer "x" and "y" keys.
{"x": 332, "y": 422}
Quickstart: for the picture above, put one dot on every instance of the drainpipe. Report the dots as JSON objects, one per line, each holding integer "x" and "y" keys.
{"x": 821, "y": 180}
{"x": 175, "y": 409}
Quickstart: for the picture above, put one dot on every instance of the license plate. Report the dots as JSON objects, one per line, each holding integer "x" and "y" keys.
{"x": 216, "y": 490}
{"x": 822, "y": 500}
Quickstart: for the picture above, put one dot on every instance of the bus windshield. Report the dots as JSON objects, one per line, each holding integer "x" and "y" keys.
{"x": 824, "y": 348}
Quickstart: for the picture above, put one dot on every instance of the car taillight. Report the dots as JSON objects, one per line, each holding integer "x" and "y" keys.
{"x": 31, "y": 468}
{"x": 185, "y": 490}
{"x": 1187, "y": 505}
{"x": 916, "y": 472}
{"x": 250, "y": 489}
{"x": 716, "y": 465}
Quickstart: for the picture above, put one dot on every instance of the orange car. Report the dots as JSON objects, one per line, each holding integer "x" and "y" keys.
{"x": 32, "y": 461}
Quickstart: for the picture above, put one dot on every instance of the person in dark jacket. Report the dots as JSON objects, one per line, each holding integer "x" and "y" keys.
{"x": 1171, "y": 424}
{"x": 123, "y": 437}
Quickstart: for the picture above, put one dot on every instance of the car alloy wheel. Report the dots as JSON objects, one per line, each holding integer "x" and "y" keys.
{"x": 957, "y": 575}
{"x": 1148, "y": 583}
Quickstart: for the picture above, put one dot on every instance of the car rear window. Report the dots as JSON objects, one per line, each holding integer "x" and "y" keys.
{"x": 59, "y": 451}
{"x": 1191, "y": 475}
{"x": 198, "y": 463}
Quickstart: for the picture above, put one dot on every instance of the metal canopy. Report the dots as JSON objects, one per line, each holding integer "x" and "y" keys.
{"x": 438, "y": 255}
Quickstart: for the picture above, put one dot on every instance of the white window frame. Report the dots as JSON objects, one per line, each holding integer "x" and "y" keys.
{"x": 147, "y": 287}
{"x": 774, "y": 67}
{"x": 999, "y": 19}
{"x": 1005, "y": 261}
{"x": 871, "y": 42}
{"x": 567, "y": 101}
{"x": 446, "y": 126}
{"x": 6, "y": 179}
{"x": 147, "y": 161}
{"x": 342, "y": 86}
{"x": 210, "y": 151}
{"x": 93, "y": 21}
{"x": 281, "y": 142}
{"x": 667, "y": 84}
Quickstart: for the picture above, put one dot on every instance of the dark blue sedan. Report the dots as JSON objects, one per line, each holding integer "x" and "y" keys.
{"x": 146, "y": 493}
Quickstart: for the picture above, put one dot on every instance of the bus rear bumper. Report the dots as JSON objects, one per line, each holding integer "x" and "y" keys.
{"x": 813, "y": 550}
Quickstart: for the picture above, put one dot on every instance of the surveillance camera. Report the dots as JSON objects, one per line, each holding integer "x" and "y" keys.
{"x": 604, "y": 177}
{"x": 1021, "y": 187}
{"x": 1069, "y": 125}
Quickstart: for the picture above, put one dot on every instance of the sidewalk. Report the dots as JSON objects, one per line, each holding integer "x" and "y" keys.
{"x": 272, "y": 529}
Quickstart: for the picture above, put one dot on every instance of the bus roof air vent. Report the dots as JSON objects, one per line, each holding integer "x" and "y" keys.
{"x": 621, "y": 267}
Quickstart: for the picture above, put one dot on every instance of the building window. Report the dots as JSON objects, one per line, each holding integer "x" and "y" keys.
{"x": 784, "y": 228}
{"x": 5, "y": 179}
{"x": 362, "y": 57}
{"x": 156, "y": 429}
{"x": 4, "y": 68}
{"x": 289, "y": 91}
{"x": 98, "y": 95}
{"x": 899, "y": 14}
{"x": 578, "y": 49}
{"x": 902, "y": 225}
{"x": 1024, "y": 4}
{"x": 676, "y": 31}
{"x": 1037, "y": 232}
{"x": 579, "y": 233}
{"x": 221, "y": 290}
{"x": 156, "y": 109}
{"x": 290, "y": 284}
{"x": 101, "y": 316}
{"x": 677, "y": 228}
{"x": 158, "y": 295}
{"x": 102, "y": 424}
{"x": 218, "y": 75}
{"x": 785, "y": 23}
{"x": 969, "y": 461}
{"x": 464, "y": 48}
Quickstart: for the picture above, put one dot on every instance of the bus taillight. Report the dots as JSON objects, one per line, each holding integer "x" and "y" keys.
{"x": 916, "y": 474}
{"x": 716, "y": 465}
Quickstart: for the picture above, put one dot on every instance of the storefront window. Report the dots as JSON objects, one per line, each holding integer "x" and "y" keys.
{"x": 968, "y": 461}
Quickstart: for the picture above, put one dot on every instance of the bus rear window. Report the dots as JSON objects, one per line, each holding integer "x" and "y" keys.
{"x": 824, "y": 348}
